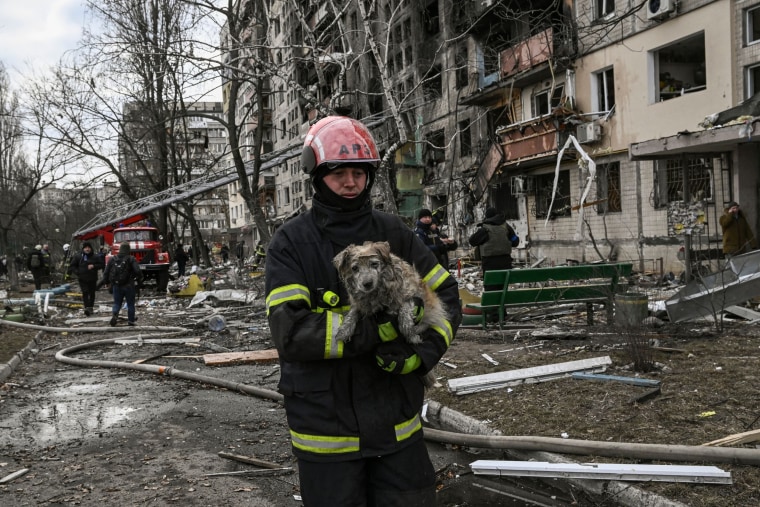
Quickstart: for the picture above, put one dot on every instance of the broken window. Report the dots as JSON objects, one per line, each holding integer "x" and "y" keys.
{"x": 752, "y": 25}
{"x": 545, "y": 191}
{"x": 680, "y": 68}
{"x": 497, "y": 117}
{"x": 546, "y": 100}
{"x": 676, "y": 178}
{"x": 430, "y": 18}
{"x": 435, "y": 152}
{"x": 604, "y": 8}
{"x": 608, "y": 188}
{"x": 462, "y": 71}
{"x": 432, "y": 84}
{"x": 465, "y": 139}
{"x": 752, "y": 78}
{"x": 603, "y": 90}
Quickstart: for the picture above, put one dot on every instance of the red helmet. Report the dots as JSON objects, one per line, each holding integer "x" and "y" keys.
{"x": 336, "y": 141}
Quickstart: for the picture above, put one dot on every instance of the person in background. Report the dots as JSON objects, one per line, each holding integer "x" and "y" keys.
{"x": 737, "y": 234}
{"x": 4, "y": 266}
{"x": 19, "y": 261}
{"x": 260, "y": 255}
{"x": 225, "y": 251}
{"x": 121, "y": 272}
{"x": 47, "y": 269}
{"x": 240, "y": 252}
{"x": 85, "y": 265}
{"x": 353, "y": 407}
{"x": 181, "y": 257}
{"x": 35, "y": 262}
{"x": 493, "y": 239}
{"x": 429, "y": 235}
{"x": 442, "y": 241}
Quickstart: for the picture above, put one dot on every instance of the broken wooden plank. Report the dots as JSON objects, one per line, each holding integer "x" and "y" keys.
{"x": 641, "y": 382}
{"x": 489, "y": 359}
{"x": 604, "y": 471}
{"x": 253, "y": 356}
{"x": 249, "y": 460}
{"x": 466, "y": 385}
{"x": 737, "y": 439}
{"x": 147, "y": 359}
{"x": 259, "y": 472}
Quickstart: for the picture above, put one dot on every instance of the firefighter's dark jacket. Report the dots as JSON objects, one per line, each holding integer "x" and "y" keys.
{"x": 340, "y": 405}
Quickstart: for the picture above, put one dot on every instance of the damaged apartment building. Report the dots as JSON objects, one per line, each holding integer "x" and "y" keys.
{"x": 602, "y": 129}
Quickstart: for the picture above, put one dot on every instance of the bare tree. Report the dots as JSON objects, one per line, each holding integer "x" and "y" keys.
{"x": 23, "y": 176}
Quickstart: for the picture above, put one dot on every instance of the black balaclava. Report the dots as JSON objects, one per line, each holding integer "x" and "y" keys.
{"x": 343, "y": 221}
{"x": 326, "y": 196}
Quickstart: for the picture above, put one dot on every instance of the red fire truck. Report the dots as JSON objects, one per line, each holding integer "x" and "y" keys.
{"x": 145, "y": 242}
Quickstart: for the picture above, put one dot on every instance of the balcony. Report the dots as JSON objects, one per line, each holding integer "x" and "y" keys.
{"x": 527, "y": 54}
{"x": 536, "y": 139}
{"x": 523, "y": 64}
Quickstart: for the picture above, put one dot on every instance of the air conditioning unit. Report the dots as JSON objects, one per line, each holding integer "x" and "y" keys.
{"x": 588, "y": 132}
{"x": 658, "y": 9}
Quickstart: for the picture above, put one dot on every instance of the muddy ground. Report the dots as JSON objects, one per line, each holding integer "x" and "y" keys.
{"x": 92, "y": 433}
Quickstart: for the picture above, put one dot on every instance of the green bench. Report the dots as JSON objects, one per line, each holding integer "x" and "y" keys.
{"x": 543, "y": 286}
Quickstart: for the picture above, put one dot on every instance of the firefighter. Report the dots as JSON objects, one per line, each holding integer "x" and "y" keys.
{"x": 353, "y": 407}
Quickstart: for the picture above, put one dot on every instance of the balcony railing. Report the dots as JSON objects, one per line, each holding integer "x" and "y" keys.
{"x": 527, "y": 54}
{"x": 535, "y": 138}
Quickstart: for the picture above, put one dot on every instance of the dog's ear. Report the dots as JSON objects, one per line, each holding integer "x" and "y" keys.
{"x": 383, "y": 249}
{"x": 341, "y": 259}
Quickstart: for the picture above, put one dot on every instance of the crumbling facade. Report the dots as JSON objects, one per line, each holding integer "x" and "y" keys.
{"x": 556, "y": 113}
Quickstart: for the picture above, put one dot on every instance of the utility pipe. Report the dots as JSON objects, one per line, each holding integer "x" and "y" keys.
{"x": 663, "y": 452}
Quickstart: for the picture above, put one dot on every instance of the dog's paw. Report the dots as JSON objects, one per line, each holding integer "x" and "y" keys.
{"x": 343, "y": 335}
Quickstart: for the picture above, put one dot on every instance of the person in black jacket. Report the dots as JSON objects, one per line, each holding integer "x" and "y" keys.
{"x": 121, "y": 273}
{"x": 353, "y": 407}
{"x": 35, "y": 262}
{"x": 181, "y": 257}
{"x": 85, "y": 266}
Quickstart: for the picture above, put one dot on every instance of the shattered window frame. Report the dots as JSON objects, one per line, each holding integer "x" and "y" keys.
{"x": 608, "y": 188}
{"x": 544, "y": 101}
{"x": 603, "y": 90}
{"x": 669, "y": 180}
{"x": 679, "y": 67}
{"x": 604, "y": 9}
{"x": 544, "y": 190}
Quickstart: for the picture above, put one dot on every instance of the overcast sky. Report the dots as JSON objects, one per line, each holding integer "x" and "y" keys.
{"x": 38, "y": 32}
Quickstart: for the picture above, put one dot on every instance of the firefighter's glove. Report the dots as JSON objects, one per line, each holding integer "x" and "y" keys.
{"x": 397, "y": 357}
{"x": 387, "y": 325}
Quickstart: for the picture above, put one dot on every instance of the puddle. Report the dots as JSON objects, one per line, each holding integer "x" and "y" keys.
{"x": 75, "y": 419}
{"x": 73, "y": 411}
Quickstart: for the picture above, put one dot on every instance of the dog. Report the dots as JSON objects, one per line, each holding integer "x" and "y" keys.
{"x": 377, "y": 280}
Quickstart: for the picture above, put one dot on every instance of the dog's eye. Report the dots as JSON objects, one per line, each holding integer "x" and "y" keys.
{"x": 374, "y": 264}
{"x": 355, "y": 268}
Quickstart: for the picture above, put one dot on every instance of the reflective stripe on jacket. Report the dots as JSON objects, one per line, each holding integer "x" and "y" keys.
{"x": 340, "y": 405}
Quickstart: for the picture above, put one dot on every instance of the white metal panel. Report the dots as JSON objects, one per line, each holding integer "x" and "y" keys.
{"x": 604, "y": 471}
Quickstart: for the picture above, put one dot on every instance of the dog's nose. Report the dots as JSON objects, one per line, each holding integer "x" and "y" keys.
{"x": 368, "y": 284}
